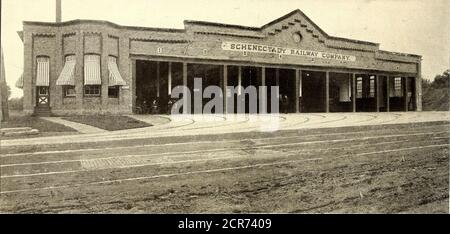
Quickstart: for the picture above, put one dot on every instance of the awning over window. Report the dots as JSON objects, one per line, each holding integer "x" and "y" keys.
{"x": 19, "y": 82}
{"x": 42, "y": 72}
{"x": 92, "y": 70}
{"x": 115, "y": 79}
{"x": 67, "y": 74}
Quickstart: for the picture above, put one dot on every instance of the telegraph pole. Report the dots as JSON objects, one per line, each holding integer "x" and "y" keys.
{"x": 4, "y": 113}
{"x": 58, "y": 11}
{"x": 3, "y": 91}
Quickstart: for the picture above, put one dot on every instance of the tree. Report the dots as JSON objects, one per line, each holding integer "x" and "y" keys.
{"x": 436, "y": 93}
{"x": 441, "y": 81}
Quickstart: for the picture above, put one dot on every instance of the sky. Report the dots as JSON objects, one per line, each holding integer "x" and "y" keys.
{"x": 407, "y": 26}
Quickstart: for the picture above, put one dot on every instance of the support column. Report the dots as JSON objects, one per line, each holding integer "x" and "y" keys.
{"x": 263, "y": 93}
{"x": 418, "y": 89}
{"x": 300, "y": 90}
{"x": 327, "y": 92}
{"x": 354, "y": 92}
{"x": 239, "y": 79}
{"x": 104, "y": 73}
{"x": 297, "y": 90}
{"x": 28, "y": 68}
{"x": 56, "y": 90}
{"x": 224, "y": 88}
{"x": 157, "y": 79}
{"x": 185, "y": 88}
{"x": 377, "y": 92}
{"x": 418, "y": 93}
{"x": 133, "y": 84}
{"x": 405, "y": 95}
{"x": 388, "y": 93}
{"x": 79, "y": 73}
{"x": 169, "y": 80}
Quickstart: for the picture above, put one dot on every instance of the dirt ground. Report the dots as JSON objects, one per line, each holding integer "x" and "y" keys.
{"x": 378, "y": 169}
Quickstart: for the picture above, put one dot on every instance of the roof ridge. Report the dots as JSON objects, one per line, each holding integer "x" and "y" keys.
{"x": 207, "y": 23}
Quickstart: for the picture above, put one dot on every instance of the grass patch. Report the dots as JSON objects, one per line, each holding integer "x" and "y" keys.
{"x": 35, "y": 123}
{"x": 108, "y": 122}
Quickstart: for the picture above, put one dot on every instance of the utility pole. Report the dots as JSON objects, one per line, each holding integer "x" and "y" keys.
{"x": 3, "y": 91}
{"x": 58, "y": 11}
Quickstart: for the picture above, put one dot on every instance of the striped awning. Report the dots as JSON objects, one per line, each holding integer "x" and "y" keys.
{"x": 67, "y": 74}
{"x": 115, "y": 79}
{"x": 19, "y": 82}
{"x": 43, "y": 71}
{"x": 92, "y": 70}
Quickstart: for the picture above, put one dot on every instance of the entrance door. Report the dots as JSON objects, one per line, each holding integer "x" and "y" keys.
{"x": 43, "y": 98}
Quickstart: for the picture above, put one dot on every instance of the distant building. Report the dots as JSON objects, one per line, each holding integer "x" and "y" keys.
{"x": 87, "y": 66}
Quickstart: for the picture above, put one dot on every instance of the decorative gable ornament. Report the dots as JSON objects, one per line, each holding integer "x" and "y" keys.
{"x": 297, "y": 37}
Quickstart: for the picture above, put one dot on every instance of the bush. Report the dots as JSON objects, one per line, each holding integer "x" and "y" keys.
{"x": 435, "y": 94}
{"x": 15, "y": 104}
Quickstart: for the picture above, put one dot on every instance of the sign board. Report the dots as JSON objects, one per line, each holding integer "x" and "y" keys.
{"x": 256, "y": 48}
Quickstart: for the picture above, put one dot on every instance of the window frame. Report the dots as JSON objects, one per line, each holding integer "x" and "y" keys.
{"x": 69, "y": 87}
{"x": 372, "y": 89}
{"x": 359, "y": 87}
{"x": 90, "y": 88}
{"x": 117, "y": 90}
{"x": 46, "y": 88}
{"x": 398, "y": 81}
{"x": 85, "y": 87}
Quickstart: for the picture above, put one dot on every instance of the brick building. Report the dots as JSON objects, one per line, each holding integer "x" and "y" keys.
{"x": 87, "y": 66}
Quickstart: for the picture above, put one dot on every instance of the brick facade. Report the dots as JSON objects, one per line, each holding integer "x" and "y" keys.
{"x": 197, "y": 42}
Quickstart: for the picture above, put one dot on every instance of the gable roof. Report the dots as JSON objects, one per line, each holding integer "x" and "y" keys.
{"x": 297, "y": 11}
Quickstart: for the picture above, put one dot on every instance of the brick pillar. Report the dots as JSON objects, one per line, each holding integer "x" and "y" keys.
{"x": 354, "y": 92}
{"x": 126, "y": 66}
{"x": 377, "y": 93}
{"x": 224, "y": 88}
{"x": 297, "y": 90}
{"x": 388, "y": 93}
{"x": 327, "y": 92}
{"x": 56, "y": 94}
{"x": 133, "y": 84}
{"x": 104, "y": 72}
{"x": 418, "y": 80}
{"x": 28, "y": 68}
{"x": 405, "y": 95}
{"x": 79, "y": 71}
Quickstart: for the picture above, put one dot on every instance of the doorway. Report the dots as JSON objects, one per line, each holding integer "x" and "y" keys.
{"x": 43, "y": 97}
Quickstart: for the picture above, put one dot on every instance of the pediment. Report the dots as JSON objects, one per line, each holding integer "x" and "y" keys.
{"x": 297, "y": 20}
{"x": 295, "y": 31}
{"x": 283, "y": 30}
